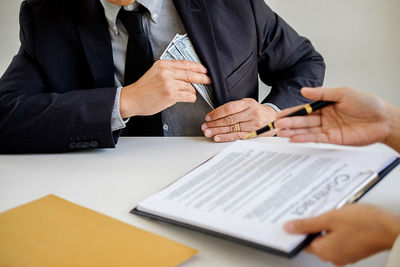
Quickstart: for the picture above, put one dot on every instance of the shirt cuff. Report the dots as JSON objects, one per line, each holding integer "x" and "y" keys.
{"x": 273, "y": 106}
{"x": 117, "y": 123}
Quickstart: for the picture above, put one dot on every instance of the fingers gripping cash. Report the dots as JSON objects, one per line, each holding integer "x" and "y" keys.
{"x": 181, "y": 48}
{"x": 168, "y": 81}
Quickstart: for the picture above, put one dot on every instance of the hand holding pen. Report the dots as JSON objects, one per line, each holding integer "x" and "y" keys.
{"x": 305, "y": 110}
{"x": 356, "y": 118}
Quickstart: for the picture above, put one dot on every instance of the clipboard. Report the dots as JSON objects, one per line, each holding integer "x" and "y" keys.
{"x": 354, "y": 198}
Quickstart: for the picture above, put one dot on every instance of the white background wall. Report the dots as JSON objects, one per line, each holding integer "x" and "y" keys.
{"x": 359, "y": 39}
{"x": 9, "y": 31}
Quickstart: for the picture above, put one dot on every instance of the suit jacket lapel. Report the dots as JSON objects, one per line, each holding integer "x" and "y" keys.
{"x": 92, "y": 28}
{"x": 195, "y": 17}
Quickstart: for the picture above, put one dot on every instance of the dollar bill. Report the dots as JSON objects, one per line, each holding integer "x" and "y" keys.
{"x": 173, "y": 50}
{"x": 166, "y": 55}
{"x": 185, "y": 47}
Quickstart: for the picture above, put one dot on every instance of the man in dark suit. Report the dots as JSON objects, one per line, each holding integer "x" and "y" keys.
{"x": 65, "y": 90}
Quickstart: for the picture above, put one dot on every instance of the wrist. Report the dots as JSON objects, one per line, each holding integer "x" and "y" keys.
{"x": 393, "y": 137}
{"x": 273, "y": 106}
{"x": 271, "y": 112}
{"x": 125, "y": 106}
{"x": 392, "y": 226}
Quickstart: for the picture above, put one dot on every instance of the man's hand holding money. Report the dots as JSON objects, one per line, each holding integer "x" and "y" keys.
{"x": 164, "y": 84}
{"x": 234, "y": 120}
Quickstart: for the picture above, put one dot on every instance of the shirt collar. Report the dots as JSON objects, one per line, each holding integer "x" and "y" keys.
{"x": 153, "y": 6}
{"x": 111, "y": 11}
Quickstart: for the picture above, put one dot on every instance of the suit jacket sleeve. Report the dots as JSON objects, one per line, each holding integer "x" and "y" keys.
{"x": 33, "y": 119}
{"x": 286, "y": 60}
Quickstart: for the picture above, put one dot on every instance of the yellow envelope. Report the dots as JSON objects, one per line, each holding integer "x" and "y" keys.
{"x": 54, "y": 232}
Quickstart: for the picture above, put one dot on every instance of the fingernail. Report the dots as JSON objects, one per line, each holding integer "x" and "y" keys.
{"x": 289, "y": 227}
{"x": 208, "y": 133}
{"x": 208, "y": 118}
{"x": 203, "y": 127}
{"x": 217, "y": 139}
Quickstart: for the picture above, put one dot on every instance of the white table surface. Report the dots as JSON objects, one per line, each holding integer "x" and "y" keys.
{"x": 112, "y": 181}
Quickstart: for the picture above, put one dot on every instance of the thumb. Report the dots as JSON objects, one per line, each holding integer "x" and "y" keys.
{"x": 307, "y": 226}
{"x": 326, "y": 94}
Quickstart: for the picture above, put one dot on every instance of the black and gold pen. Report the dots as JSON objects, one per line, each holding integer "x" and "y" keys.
{"x": 307, "y": 109}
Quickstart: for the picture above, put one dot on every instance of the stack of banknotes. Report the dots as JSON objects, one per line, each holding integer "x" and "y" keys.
{"x": 181, "y": 48}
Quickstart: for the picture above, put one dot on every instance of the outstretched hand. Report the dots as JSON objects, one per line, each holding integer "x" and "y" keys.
{"x": 357, "y": 118}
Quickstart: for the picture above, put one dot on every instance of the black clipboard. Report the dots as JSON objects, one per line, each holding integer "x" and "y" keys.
{"x": 290, "y": 254}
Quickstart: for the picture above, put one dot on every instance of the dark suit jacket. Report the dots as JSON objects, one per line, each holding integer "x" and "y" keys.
{"x": 58, "y": 93}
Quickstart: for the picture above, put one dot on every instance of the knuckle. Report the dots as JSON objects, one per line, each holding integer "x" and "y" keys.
{"x": 228, "y": 120}
{"x": 164, "y": 84}
{"x": 164, "y": 74}
{"x": 257, "y": 116}
{"x": 249, "y": 101}
{"x": 159, "y": 63}
{"x": 259, "y": 124}
{"x": 168, "y": 93}
{"x": 167, "y": 84}
{"x": 185, "y": 64}
{"x": 189, "y": 64}
{"x": 189, "y": 75}
{"x": 257, "y": 113}
{"x": 229, "y": 109}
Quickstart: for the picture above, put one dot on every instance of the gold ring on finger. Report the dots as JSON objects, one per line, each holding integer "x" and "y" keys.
{"x": 238, "y": 127}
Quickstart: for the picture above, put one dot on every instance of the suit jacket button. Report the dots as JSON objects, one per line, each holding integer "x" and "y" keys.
{"x": 94, "y": 144}
{"x": 85, "y": 145}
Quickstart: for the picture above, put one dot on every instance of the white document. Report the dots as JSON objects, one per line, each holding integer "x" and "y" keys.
{"x": 249, "y": 190}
